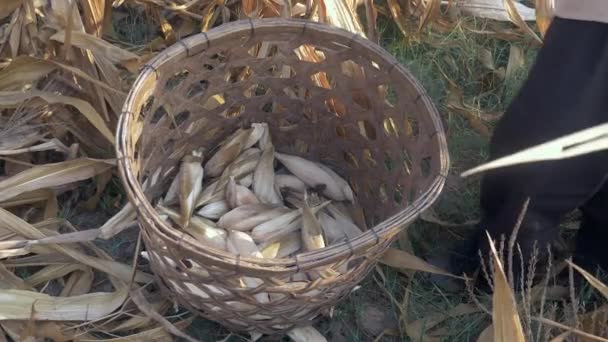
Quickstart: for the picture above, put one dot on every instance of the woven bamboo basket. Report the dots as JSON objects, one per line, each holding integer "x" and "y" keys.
{"x": 327, "y": 95}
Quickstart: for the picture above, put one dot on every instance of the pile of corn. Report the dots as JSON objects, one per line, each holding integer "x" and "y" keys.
{"x": 250, "y": 200}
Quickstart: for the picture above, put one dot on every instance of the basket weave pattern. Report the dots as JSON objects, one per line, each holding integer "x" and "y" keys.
{"x": 327, "y": 95}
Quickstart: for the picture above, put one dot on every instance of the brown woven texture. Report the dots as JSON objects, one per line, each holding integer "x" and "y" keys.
{"x": 327, "y": 95}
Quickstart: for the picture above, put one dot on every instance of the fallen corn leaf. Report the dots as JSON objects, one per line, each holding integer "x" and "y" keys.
{"x": 16, "y": 98}
{"x": 23, "y": 70}
{"x": 8, "y": 6}
{"x": 596, "y": 283}
{"x": 51, "y": 175}
{"x": 99, "y": 47}
{"x": 116, "y": 269}
{"x": 18, "y": 305}
{"x": 405, "y": 261}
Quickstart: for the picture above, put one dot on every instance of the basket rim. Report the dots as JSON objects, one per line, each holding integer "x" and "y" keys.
{"x": 386, "y": 229}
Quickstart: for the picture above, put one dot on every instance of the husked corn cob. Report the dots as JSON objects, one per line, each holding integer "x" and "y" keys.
{"x": 281, "y": 225}
{"x": 246, "y": 217}
{"x": 290, "y": 182}
{"x": 238, "y": 195}
{"x": 213, "y": 210}
{"x": 203, "y": 230}
{"x": 312, "y": 175}
{"x": 286, "y": 245}
{"x": 312, "y": 234}
{"x": 190, "y": 185}
{"x": 263, "y": 179}
{"x": 229, "y": 150}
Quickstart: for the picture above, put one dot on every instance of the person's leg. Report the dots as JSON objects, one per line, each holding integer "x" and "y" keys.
{"x": 566, "y": 91}
{"x": 592, "y": 238}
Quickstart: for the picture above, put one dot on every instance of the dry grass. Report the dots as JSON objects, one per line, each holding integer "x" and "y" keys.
{"x": 65, "y": 69}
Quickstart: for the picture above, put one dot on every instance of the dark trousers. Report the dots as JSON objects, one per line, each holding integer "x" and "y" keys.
{"x": 566, "y": 91}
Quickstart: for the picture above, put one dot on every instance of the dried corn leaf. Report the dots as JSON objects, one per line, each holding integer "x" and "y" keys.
{"x": 339, "y": 14}
{"x": 51, "y": 175}
{"x": 29, "y": 197}
{"x": 399, "y": 15}
{"x": 544, "y": 15}
{"x": 404, "y": 260}
{"x": 86, "y": 77}
{"x": 514, "y": 15}
{"x": 505, "y": 318}
{"x": 430, "y": 13}
{"x": 53, "y": 144}
{"x": 79, "y": 283}
{"x": 596, "y": 283}
{"x": 116, "y": 269}
{"x": 23, "y": 70}
{"x": 119, "y": 222}
{"x": 417, "y": 329}
{"x": 494, "y": 9}
{"x": 52, "y": 272}
{"x": 145, "y": 306}
{"x": 8, "y": 6}
{"x": 141, "y": 322}
{"x": 18, "y": 305}
{"x": 16, "y": 98}
{"x": 99, "y": 47}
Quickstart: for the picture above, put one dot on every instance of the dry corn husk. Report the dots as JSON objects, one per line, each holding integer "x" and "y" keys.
{"x": 246, "y": 181}
{"x": 283, "y": 247}
{"x": 312, "y": 234}
{"x": 337, "y": 229}
{"x": 213, "y": 210}
{"x": 263, "y": 179}
{"x": 241, "y": 243}
{"x": 203, "y": 230}
{"x": 257, "y": 131}
{"x": 191, "y": 182}
{"x": 240, "y": 168}
{"x": 265, "y": 140}
{"x": 312, "y": 175}
{"x": 172, "y": 193}
{"x": 246, "y": 217}
{"x": 229, "y": 150}
{"x": 337, "y": 209}
{"x": 282, "y": 225}
{"x": 346, "y": 189}
{"x": 290, "y": 182}
{"x": 238, "y": 195}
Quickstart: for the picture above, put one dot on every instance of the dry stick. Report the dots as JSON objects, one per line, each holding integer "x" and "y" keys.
{"x": 67, "y": 43}
{"x": 513, "y": 237}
